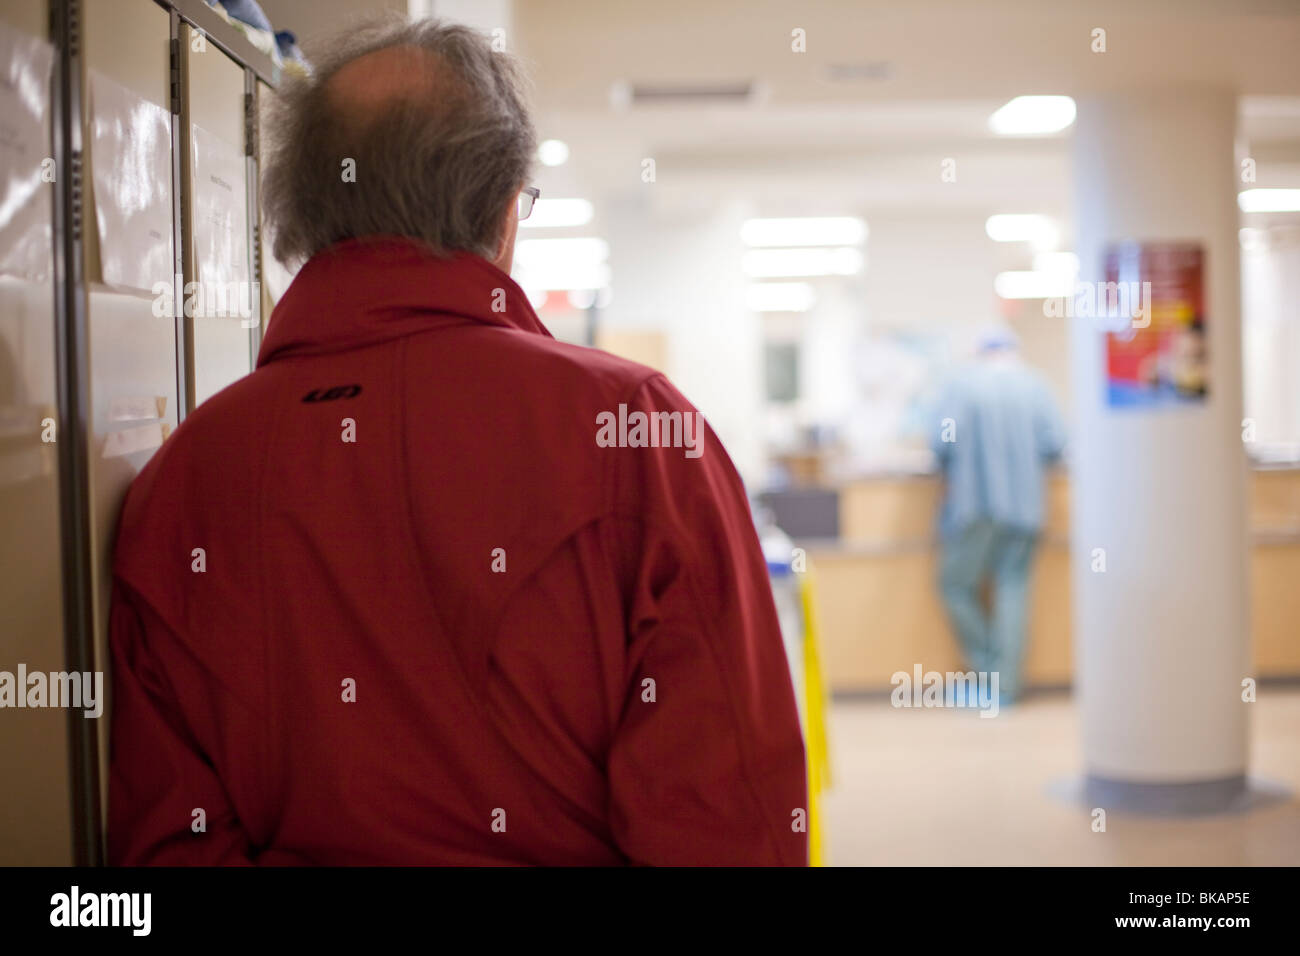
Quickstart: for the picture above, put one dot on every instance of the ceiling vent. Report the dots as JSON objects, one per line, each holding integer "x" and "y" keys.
{"x": 875, "y": 71}
{"x": 625, "y": 95}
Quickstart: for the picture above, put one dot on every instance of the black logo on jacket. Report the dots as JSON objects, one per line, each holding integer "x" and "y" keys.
{"x": 329, "y": 394}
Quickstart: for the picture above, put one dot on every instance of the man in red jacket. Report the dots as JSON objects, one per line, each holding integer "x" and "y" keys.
{"x": 429, "y": 586}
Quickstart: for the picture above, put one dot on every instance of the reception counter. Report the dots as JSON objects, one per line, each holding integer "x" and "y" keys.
{"x": 880, "y": 611}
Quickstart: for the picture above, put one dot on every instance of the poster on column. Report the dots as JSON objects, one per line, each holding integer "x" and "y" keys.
{"x": 27, "y": 172}
{"x": 1154, "y": 302}
{"x": 131, "y": 160}
{"x": 220, "y": 229}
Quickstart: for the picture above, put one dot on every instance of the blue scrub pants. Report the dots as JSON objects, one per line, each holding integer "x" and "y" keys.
{"x": 999, "y": 556}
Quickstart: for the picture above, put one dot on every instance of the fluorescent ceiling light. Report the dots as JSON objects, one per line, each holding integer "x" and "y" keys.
{"x": 774, "y": 263}
{"x": 582, "y": 298}
{"x": 553, "y": 152}
{"x": 561, "y": 278}
{"x": 553, "y": 251}
{"x": 1253, "y": 240}
{"x": 1032, "y": 285}
{"x": 1016, "y": 227}
{"x": 780, "y": 297}
{"x": 578, "y": 263}
{"x": 810, "y": 231}
{"x": 1033, "y": 115}
{"x": 1269, "y": 200}
{"x": 554, "y": 213}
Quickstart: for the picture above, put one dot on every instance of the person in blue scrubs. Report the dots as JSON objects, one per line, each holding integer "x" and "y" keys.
{"x": 996, "y": 432}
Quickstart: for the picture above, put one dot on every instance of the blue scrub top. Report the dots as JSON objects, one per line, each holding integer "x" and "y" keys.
{"x": 1005, "y": 430}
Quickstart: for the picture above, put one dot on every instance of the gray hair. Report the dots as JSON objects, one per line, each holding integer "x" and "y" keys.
{"x": 437, "y": 165}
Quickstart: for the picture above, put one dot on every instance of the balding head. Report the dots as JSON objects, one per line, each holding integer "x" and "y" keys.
{"x": 375, "y": 82}
{"x": 431, "y": 121}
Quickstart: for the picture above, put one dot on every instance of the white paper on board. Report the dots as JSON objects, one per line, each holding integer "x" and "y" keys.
{"x": 220, "y": 209}
{"x": 27, "y": 171}
{"x": 27, "y": 464}
{"x": 20, "y": 422}
{"x": 128, "y": 441}
{"x": 136, "y": 408}
{"x": 130, "y": 156}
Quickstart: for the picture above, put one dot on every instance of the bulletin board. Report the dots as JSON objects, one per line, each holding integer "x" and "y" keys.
{"x": 218, "y": 268}
{"x": 130, "y": 247}
{"x": 147, "y": 182}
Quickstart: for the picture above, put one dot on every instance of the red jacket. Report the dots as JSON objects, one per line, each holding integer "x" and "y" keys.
{"x": 472, "y": 634}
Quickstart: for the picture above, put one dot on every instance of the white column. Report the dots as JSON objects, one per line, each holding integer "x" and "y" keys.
{"x": 1162, "y": 635}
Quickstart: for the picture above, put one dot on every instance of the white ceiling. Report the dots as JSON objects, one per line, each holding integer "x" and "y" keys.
{"x": 928, "y": 49}
{"x": 885, "y": 92}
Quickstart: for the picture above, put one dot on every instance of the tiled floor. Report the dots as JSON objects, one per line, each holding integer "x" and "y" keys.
{"x": 927, "y": 787}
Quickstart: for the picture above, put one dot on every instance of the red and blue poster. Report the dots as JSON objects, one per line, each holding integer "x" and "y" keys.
{"x": 1153, "y": 301}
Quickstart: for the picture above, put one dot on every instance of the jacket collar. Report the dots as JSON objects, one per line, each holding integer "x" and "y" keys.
{"x": 362, "y": 291}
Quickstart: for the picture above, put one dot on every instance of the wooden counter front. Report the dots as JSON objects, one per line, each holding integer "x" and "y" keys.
{"x": 880, "y": 610}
